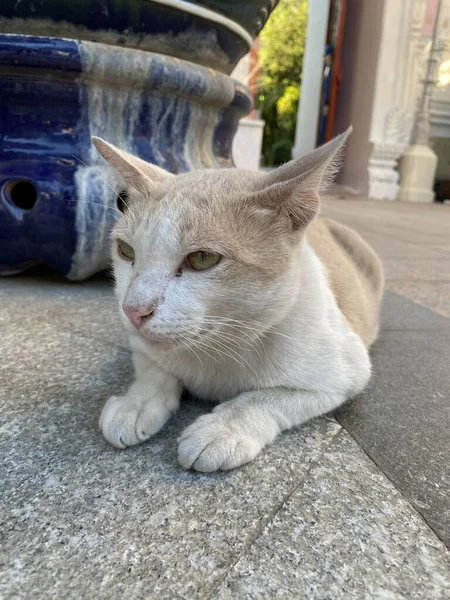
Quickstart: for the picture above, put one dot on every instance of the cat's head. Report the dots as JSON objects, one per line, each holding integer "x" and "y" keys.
{"x": 211, "y": 253}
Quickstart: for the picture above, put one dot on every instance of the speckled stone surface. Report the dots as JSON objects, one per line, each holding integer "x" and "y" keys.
{"x": 88, "y": 309}
{"x": 345, "y": 532}
{"x": 402, "y": 419}
{"x": 79, "y": 519}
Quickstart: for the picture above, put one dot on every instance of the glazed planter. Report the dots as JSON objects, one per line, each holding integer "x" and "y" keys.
{"x": 55, "y": 209}
{"x": 112, "y": 68}
{"x": 213, "y": 33}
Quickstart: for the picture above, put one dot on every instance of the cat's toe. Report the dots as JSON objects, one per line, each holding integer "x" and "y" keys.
{"x": 213, "y": 443}
{"x": 127, "y": 423}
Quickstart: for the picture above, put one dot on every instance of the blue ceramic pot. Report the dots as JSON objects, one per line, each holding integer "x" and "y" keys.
{"x": 55, "y": 94}
{"x": 70, "y": 70}
{"x": 213, "y": 33}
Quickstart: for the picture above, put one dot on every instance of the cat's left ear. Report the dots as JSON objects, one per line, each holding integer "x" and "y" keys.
{"x": 293, "y": 189}
{"x": 135, "y": 171}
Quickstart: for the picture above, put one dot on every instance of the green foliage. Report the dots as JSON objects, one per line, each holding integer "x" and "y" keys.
{"x": 280, "y": 61}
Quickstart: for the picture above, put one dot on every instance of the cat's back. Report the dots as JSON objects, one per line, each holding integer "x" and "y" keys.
{"x": 354, "y": 272}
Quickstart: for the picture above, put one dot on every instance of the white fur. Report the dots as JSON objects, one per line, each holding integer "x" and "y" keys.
{"x": 271, "y": 345}
{"x": 309, "y": 365}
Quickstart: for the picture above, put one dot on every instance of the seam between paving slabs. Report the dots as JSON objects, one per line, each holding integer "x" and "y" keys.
{"x": 276, "y": 510}
{"x": 265, "y": 522}
{"x": 414, "y": 280}
{"x": 416, "y": 302}
{"x": 408, "y": 501}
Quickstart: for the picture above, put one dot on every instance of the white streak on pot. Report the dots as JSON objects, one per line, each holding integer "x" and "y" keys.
{"x": 130, "y": 97}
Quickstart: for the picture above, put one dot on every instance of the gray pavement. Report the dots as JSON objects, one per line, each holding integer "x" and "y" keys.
{"x": 354, "y": 508}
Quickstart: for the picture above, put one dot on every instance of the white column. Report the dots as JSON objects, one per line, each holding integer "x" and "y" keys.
{"x": 394, "y": 96}
{"x": 418, "y": 165}
{"x": 247, "y": 142}
{"x": 311, "y": 86}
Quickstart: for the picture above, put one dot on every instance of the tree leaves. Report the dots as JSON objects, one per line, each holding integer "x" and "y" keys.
{"x": 280, "y": 60}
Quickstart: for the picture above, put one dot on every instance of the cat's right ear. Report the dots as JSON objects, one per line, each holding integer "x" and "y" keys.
{"x": 293, "y": 189}
{"x": 135, "y": 172}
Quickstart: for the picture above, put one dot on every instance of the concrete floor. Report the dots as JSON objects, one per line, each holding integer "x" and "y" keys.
{"x": 349, "y": 508}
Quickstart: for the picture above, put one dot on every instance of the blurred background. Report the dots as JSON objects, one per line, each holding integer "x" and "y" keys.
{"x": 318, "y": 67}
{"x": 208, "y": 84}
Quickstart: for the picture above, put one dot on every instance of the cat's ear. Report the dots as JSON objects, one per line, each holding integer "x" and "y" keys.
{"x": 293, "y": 189}
{"x": 135, "y": 171}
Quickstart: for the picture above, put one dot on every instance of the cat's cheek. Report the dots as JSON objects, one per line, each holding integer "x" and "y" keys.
{"x": 185, "y": 297}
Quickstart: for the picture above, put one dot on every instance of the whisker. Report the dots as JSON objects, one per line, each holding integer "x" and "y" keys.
{"x": 93, "y": 204}
{"x": 126, "y": 216}
{"x": 204, "y": 346}
{"x": 231, "y": 353}
{"x": 244, "y": 325}
{"x": 189, "y": 347}
{"x": 234, "y": 340}
{"x": 98, "y": 174}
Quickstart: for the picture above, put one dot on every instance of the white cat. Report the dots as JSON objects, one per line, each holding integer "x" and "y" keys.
{"x": 229, "y": 286}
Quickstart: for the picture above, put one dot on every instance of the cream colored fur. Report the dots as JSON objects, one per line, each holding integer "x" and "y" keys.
{"x": 354, "y": 272}
{"x": 277, "y": 332}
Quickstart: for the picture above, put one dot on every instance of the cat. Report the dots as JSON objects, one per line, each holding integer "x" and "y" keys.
{"x": 229, "y": 285}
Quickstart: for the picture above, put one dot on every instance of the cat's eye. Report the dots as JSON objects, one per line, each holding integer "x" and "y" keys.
{"x": 125, "y": 250}
{"x": 202, "y": 260}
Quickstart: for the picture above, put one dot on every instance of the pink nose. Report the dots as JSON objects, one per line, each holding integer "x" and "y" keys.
{"x": 137, "y": 314}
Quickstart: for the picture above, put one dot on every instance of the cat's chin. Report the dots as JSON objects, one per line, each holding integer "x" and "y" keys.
{"x": 170, "y": 342}
{"x": 161, "y": 343}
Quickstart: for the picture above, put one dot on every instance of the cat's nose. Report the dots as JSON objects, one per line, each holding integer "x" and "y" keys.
{"x": 137, "y": 314}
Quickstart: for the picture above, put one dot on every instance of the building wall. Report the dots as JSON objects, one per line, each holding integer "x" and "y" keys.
{"x": 354, "y": 107}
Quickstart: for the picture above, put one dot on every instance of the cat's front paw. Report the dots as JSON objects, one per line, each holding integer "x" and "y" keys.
{"x": 216, "y": 442}
{"x": 127, "y": 421}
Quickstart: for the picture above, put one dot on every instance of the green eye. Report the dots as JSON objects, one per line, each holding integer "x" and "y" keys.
{"x": 125, "y": 250}
{"x": 201, "y": 260}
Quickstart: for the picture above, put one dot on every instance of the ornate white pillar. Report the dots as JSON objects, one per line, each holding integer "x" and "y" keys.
{"x": 418, "y": 165}
{"x": 395, "y": 94}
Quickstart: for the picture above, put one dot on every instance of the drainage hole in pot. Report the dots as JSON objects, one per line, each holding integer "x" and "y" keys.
{"x": 21, "y": 193}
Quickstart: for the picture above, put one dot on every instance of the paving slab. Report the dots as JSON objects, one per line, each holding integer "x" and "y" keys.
{"x": 417, "y": 269}
{"x": 44, "y": 297}
{"x": 432, "y": 294}
{"x": 80, "y": 519}
{"x": 389, "y": 247}
{"x": 345, "y": 532}
{"x": 41, "y": 282}
{"x": 412, "y": 240}
{"x": 422, "y": 224}
{"x": 402, "y": 419}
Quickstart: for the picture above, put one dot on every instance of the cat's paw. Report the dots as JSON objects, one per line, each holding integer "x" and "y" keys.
{"x": 216, "y": 442}
{"x": 126, "y": 421}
